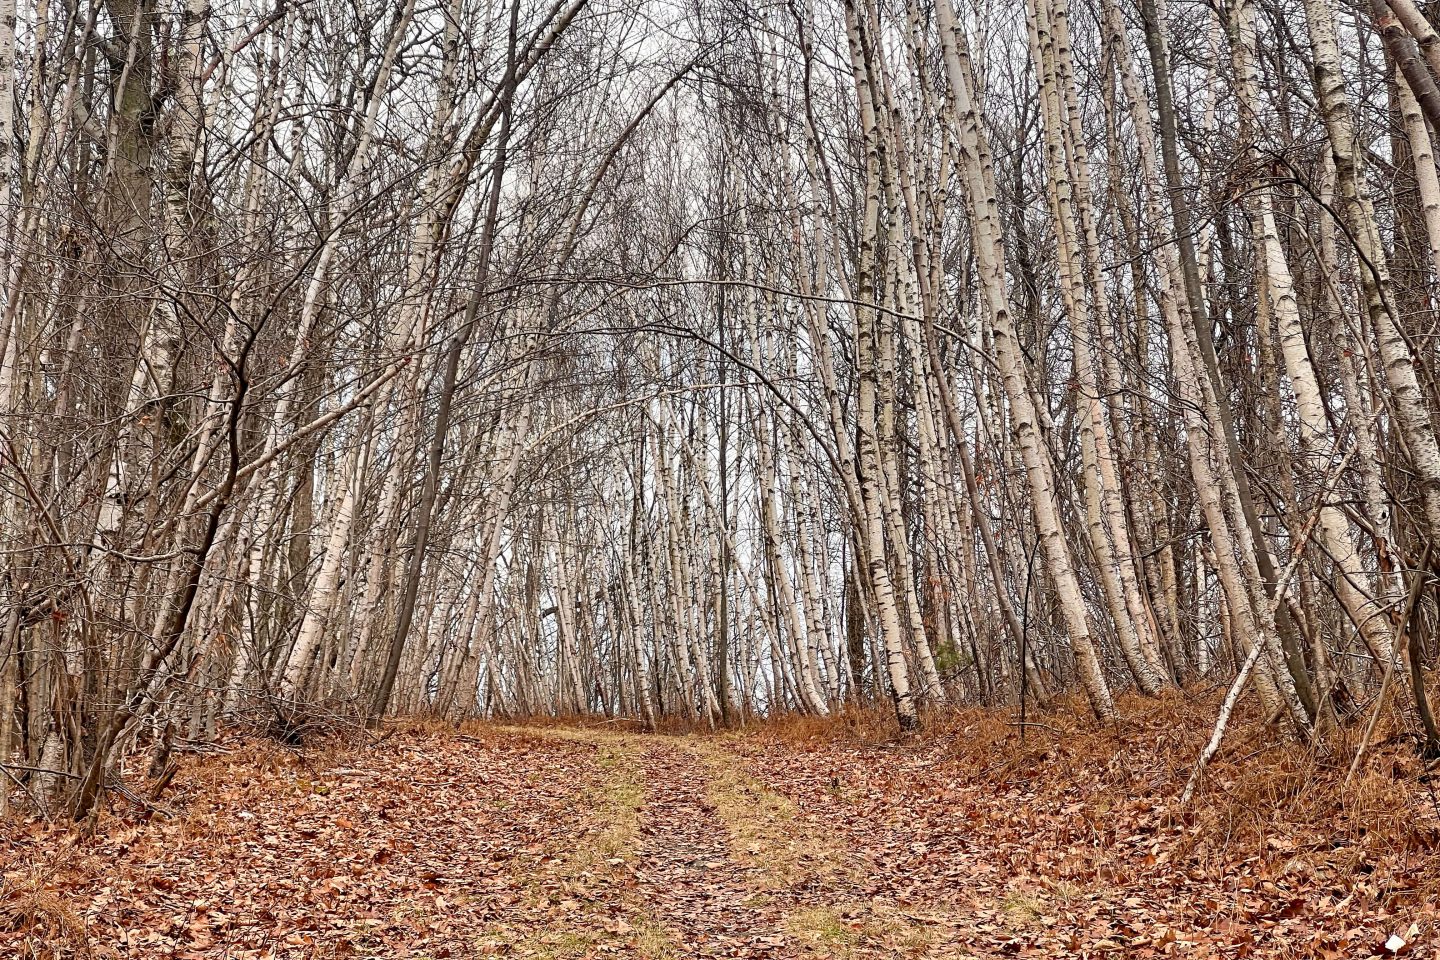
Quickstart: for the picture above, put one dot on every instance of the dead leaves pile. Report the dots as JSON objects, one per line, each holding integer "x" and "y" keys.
{"x": 409, "y": 850}
{"x": 1052, "y": 849}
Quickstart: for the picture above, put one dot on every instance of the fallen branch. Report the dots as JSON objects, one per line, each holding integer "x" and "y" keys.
{"x": 1411, "y": 599}
{"x": 1031, "y": 723}
{"x": 1282, "y": 587}
{"x": 1231, "y": 698}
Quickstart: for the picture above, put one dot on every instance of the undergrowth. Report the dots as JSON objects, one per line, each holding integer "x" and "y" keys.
{"x": 1268, "y": 800}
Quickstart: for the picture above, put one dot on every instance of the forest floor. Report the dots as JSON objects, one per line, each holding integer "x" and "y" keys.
{"x": 812, "y": 840}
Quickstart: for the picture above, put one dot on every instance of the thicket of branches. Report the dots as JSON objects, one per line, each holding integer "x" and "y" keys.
{"x": 707, "y": 360}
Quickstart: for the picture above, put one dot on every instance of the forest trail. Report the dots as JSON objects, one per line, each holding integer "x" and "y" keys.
{"x": 703, "y": 861}
{"x": 587, "y": 843}
{"x": 705, "y": 900}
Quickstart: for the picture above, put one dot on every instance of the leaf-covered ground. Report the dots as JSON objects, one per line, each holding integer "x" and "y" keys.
{"x": 572, "y": 843}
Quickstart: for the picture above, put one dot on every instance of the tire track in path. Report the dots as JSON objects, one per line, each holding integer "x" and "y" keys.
{"x": 711, "y": 905}
{"x": 681, "y": 853}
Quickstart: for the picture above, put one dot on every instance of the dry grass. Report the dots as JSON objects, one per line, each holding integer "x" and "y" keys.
{"x": 824, "y": 931}
{"x": 49, "y": 928}
{"x": 764, "y": 832}
{"x": 601, "y": 856}
{"x": 615, "y": 800}
{"x": 790, "y": 856}
{"x": 854, "y": 929}
{"x": 849, "y": 723}
{"x": 616, "y": 806}
{"x": 1267, "y": 797}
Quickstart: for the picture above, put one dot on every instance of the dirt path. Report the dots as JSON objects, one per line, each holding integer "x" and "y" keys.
{"x": 710, "y": 905}
{"x": 708, "y": 862}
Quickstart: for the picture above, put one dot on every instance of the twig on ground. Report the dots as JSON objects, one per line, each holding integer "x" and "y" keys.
{"x": 1411, "y": 599}
{"x": 1032, "y": 723}
{"x": 1282, "y": 587}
